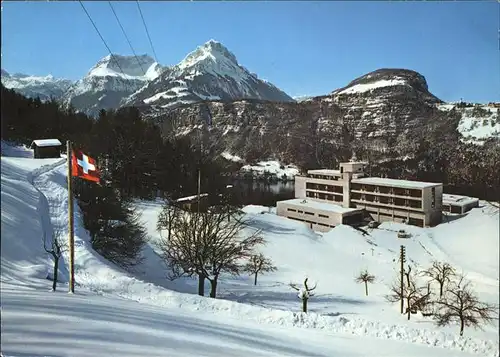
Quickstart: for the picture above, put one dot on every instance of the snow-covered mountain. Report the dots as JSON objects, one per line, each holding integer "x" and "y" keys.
{"x": 211, "y": 72}
{"x": 35, "y": 86}
{"x": 302, "y": 98}
{"x": 113, "y": 78}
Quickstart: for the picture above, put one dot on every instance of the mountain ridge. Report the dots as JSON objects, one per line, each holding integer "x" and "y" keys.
{"x": 211, "y": 71}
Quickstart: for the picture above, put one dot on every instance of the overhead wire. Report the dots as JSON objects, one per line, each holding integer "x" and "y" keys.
{"x": 126, "y": 37}
{"x": 147, "y": 32}
{"x": 102, "y": 38}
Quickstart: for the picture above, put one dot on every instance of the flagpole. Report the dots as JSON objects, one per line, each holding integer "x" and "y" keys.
{"x": 71, "y": 222}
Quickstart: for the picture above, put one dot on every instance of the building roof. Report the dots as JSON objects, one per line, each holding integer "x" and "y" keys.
{"x": 46, "y": 142}
{"x": 458, "y": 200}
{"x": 191, "y": 198}
{"x": 394, "y": 183}
{"x": 354, "y": 162}
{"x": 325, "y": 206}
{"x": 325, "y": 172}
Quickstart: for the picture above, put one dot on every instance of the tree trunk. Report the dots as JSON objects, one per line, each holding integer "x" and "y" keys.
{"x": 304, "y": 305}
{"x": 409, "y": 308}
{"x": 201, "y": 285}
{"x": 54, "y": 277}
{"x": 255, "y": 279}
{"x": 366, "y": 288}
{"x": 461, "y": 327}
{"x": 441, "y": 290}
{"x": 213, "y": 287}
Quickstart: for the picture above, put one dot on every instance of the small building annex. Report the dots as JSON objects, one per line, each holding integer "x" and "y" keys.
{"x": 319, "y": 216}
{"x": 46, "y": 148}
{"x": 459, "y": 204}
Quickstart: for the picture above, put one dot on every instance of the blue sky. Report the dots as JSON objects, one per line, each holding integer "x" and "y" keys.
{"x": 304, "y": 48}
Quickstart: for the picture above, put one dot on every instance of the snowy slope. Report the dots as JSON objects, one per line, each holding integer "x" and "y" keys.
{"x": 342, "y": 321}
{"x": 211, "y": 72}
{"x": 477, "y": 122}
{"x": 88, "y": 325}
{"x": 113, "y": 78}
{"x": 36, "y": 86}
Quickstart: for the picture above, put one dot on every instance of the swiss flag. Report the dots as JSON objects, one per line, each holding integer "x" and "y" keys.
{"x": 84, "y": 166}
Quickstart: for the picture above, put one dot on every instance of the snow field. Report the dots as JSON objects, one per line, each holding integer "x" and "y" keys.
{"x": 339, "y": 311}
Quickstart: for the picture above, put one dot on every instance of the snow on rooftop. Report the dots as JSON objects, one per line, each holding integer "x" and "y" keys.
{"x": 189, "y": 198}
{"x": 326, "y": 172}
{"x": 458, "y": 200}
{"x": 394, "y": 182}
{"x": 365, "y": 87}
{"x": 320, "y": 205}
{"x": 46, "y": 142}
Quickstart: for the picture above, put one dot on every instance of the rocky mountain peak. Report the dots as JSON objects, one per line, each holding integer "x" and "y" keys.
{"x": 211, "y": 51}
{"x": 387, "y": 83}
{"x": 130, "y": 65}
{"x": 394, "y": 76}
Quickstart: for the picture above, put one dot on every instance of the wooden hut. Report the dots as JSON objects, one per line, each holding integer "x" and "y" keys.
{"x": 46, "y": 148}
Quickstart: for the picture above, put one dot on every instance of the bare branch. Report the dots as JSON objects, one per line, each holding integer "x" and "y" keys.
{"x": 365, "y": 277}
{"x": 206, "y": 244}
{"x": 460, "y": 304}
{"x": 440, "y": 272}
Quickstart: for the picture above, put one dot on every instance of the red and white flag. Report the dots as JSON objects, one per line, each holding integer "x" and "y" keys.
{"x": 84, "y": 166}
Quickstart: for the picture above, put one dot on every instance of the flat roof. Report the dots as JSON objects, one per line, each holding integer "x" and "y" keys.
{"x": 354, "y": 162}
{"x": 326, "y": 172}
{"x": 394, "y": 183}
{"x": 189, "y": 198}
{"x": 301, "y": 202}
{"x": 46, "y": 142}
{"x": 458, "y": 200}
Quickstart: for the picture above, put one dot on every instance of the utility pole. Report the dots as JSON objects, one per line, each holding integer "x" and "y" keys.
{"x": 199, "y": 170}
{"x": 71, "y": 221}
{"x": 402, "y": 260}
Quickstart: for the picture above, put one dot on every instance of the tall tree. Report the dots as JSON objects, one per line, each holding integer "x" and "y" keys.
{"x": 461, "y": 304}
{"x": 440, "y": 272}
{"x": 205, "y": 244}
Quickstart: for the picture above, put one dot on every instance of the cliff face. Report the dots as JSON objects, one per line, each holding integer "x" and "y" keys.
{"x": 384, "y": 114}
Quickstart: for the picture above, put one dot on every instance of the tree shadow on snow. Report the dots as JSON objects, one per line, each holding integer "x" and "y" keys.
{"x": 154, "y": 332}
{"x": 282, "y": 300}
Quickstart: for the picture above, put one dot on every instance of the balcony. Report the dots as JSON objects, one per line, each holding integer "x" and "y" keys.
{"x": 396, "y": 204}
{"x": 388, "y": 192}
{"x": 324, "y": 188}
{"x": 322, "y": 177}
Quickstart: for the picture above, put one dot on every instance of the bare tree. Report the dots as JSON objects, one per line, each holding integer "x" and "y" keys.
{"x": 460, "y": 304}
{"x": 304, "y": 293}
{"x": 365, "y": 277}
{"x": 55, "y": 248}
{"x": 440, "y": 272}
{"x": 415, "y": 295}
{"x": 258, "y": 263}
{"x": 205, "y": 244}
{"x": 167, "y": 217}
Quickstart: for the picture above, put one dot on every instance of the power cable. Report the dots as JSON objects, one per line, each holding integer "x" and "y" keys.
{"x": 147, "y": 32}
{"x": 125, "y": 34}
{"x": 102, "y": 38}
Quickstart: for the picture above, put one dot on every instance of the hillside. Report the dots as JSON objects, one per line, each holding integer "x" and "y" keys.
{"x": 387, "y": 117}
{"x": 157, "y": 316}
